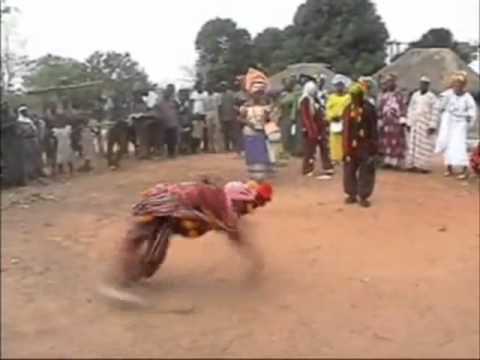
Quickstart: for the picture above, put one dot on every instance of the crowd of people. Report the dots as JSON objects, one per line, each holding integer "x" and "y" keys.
{"x": 180, "y": 123}
{"x": 352, "y": 126}
{"x": 365, "y": 130}
{"x": 359, "y": 125}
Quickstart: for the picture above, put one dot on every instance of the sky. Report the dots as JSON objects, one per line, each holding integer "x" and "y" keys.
{"x": 160, "y": 34}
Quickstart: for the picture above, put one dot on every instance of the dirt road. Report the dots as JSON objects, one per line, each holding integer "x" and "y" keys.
{"x": 400, "y": 279}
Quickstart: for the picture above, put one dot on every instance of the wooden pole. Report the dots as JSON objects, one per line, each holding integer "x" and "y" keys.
{"x": 65, "y": 87}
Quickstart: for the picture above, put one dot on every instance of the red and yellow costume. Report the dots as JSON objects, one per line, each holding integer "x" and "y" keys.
{"x": 475, "y": 161}
{"x": 187, "y": 209}
{"x": 314, "y": 129}
{"x": 360, "y": 145}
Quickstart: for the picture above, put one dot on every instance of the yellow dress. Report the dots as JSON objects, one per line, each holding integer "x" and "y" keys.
{"x": 336, "y": 105}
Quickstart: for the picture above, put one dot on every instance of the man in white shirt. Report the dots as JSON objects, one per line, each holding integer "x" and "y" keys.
{"x": 213, "y": 123}
{"x": 199, "y": 98}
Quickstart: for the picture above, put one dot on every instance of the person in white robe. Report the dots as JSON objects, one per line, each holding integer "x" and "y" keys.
{"x": 422, "y": 125}
{"x": 457, "y": 111}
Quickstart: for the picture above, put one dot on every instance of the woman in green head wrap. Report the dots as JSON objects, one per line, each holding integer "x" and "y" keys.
{"x": 357, "y": 92}
{"x": 360, "y": 139}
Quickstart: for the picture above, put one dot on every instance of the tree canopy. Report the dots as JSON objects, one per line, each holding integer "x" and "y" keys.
{"x": 224, "y": 49}
{"x": 347, "y": 34}
{"x": 266, "y": 46}
{"x": 443, "y": 38}
{"x": 121, "y": 76}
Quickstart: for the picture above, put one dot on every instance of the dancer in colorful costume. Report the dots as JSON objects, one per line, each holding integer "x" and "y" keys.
{"x": 189, "y": 210}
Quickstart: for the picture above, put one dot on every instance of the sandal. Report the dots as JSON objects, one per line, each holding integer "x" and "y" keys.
{"x": 463, "y": 176}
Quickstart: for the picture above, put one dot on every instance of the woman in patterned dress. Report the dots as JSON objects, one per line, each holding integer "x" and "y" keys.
{"x": 392, "y": 125}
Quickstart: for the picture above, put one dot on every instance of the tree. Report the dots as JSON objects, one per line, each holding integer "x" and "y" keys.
{"x": 224, "y": 50}
{"x": 443, "y": 38}
{"x": 435, "y": 38}
{"x": 51, "y": 71}
{"x": 349, "y": 34}
{"x": 122, "y": 75}
{"x": 265, "y": 45}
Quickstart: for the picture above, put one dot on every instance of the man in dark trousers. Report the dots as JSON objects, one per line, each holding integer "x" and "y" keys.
{"x": 228, "y": 116}
{"x": 117, "y": 142}
{"x": 360, "y": 146}
{"x": 186, "y": 122}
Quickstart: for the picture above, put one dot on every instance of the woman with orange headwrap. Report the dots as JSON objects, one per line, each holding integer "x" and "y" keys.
{"x": 255, "y": 114}
{"x": 457, "y": 110}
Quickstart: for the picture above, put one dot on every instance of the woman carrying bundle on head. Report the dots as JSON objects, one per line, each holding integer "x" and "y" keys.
{"x": 190, "y": 210}
{"x": 255, "y": 115}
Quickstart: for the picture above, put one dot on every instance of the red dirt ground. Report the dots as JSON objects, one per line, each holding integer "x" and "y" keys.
{"x": 398, "y": 280}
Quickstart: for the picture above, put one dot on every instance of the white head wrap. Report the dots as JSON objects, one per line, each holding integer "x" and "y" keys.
{"x": 339, "y": 78}
{"x": 425, "y": 79}
{"x": 22, "y": 108}
{"x": 310, "y": 89}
